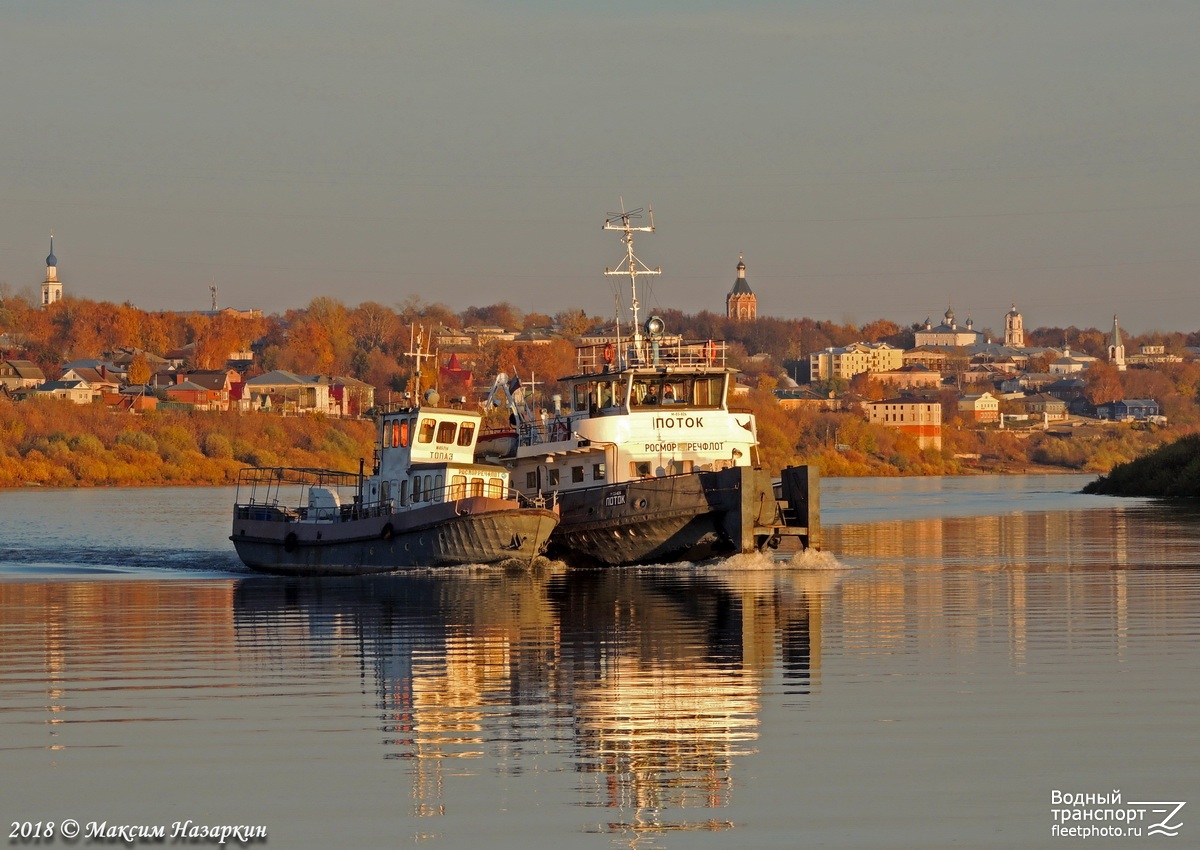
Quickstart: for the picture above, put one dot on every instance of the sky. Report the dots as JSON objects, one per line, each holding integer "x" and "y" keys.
{"x": 868, "y": 159}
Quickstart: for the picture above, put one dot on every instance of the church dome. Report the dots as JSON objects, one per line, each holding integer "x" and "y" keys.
{"x": 51, "y": 260}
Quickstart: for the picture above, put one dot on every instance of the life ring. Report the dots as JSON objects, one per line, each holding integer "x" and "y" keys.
{"x": 710, "y": 352}
{"x": 289, "y": 542}
{"x": 387, "y": 532}
{"x": 610, "y": 352}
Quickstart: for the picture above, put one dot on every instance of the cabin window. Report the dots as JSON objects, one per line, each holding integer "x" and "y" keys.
{"x": 476, "y": 486}
{"x": 445, "y": 431}
{"x": 439, "y": 485}
{"x": 496, "y": 488}
{"x": 395, "y": 433}
{"x": 387, "y": 490}
{"x": 580, "y": 396}
{"x": 416, "y": 488}
{"x": 530, "y": 480}
{"x": 707, "y": 392}
{"x": 404, "y": 492}
{"x": 645, "y": 394}
{"x": 458, "y": 487}
{"x": 597, "y": 472}
{"x": 425, "y": 435}
{"x": 428, "y": 488}
{"x": 404, "y": 427}
{"x": 675, "y": 392}
{"x": 679, "y": 467}
{"x": 576, "y": 474}
{"x": 553, "y": 477}
{"x": 640, "y": 469}
{"x": 466, "y": 434}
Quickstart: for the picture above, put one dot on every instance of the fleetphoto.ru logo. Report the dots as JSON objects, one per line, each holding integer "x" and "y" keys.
{"x": 1080, "y": 815}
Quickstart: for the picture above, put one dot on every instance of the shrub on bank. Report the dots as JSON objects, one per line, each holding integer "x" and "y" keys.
{"x": 56, "y": 443}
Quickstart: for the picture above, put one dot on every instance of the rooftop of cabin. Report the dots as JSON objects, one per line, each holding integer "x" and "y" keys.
{"x": 651, "y": 354}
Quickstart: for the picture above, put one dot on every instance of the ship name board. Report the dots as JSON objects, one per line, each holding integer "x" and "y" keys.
{"x": 711, "y": 446}
{"x": 436, "y": 455}
{"x": 678, "y": 421}
{"x": 617, "y": 497}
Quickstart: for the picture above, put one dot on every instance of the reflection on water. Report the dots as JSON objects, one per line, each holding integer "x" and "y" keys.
{"x": 651, "y": 682}
{"x": 965, "y": 663}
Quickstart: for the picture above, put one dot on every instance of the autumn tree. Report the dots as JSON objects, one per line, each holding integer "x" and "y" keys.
{"x": 1102, "y": 383}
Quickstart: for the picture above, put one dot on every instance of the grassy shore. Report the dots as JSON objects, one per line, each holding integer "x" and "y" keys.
{"x": 52, "y": 442}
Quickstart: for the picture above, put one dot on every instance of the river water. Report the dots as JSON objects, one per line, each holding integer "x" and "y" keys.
{"x": 963, "y": 654}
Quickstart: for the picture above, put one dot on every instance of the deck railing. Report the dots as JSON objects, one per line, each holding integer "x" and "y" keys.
{"x": 677, "y": 353}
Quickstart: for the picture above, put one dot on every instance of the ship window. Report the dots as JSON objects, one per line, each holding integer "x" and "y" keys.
{"x": 404, "y": 426}
{"x": 387, "y": 490}
{"x": 679, "y": 467}
{"x": 404, "y": 492}
{"x": 428, "y": 488}
{"x": 576, "y": 474}
{"x": 476, "y": 486}
{"x": 458, "y": 487}
{"x": 395, "y": 433}
{"x": 466, "y": 433}
{"x": 640, "y": 469}
{"x": 530, "y": 480}
{"x": 597, "y": 472}
{"x": 496, "y": 488}
{"x": 416, "y": 488}
{"x": 580, "y": 394}
{"x": 439, "y": 485}
{"x": 425, "y": 435}
{"x": 554, "y": 478}
{"x": 706, "y": 392}
{"x": 445, "y": 431}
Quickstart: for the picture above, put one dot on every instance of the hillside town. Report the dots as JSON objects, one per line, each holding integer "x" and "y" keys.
{"x": 951, "y": 396}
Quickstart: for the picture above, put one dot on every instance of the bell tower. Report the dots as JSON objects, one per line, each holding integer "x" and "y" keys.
{"x": 740, "y": 304}
{"x": 51, "y": 286}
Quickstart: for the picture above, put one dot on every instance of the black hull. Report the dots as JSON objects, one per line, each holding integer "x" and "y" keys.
{"x": 691, "y": 517}
{"x": 383, "y": 544}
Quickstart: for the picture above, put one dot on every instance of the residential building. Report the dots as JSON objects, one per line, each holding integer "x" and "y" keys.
{"x": 285, "y": 391}
{"x": 77, "y": 391}
{"x": 1129, "y": 408}
{"x": 16, "y": 374}
{"x": 912, "y": 376}
{"x": 979, "y": 407}
{"x": 1152, "y": 355}
{"x": 806, "y": 398}
{"x": 1044, "y": 405}
{"x": 919, "y": 418}
{"x": 854, "y": 359}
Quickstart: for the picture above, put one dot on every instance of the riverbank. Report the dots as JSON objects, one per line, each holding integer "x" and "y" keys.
{"x": 50, "y": 442}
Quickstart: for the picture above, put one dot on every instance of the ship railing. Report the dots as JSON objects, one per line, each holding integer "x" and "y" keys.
{"x": 650, "y": 353}
{"x": 280, "y": 494}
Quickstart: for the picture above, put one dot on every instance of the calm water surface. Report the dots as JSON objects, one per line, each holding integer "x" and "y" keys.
{"x": 964, "y": 648}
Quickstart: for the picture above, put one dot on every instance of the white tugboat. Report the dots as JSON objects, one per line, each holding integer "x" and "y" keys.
{"x": 644, "y": 457}
{"x": 427, "y": 503}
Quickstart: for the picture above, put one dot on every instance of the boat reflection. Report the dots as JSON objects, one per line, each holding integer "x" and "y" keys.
{"x": 648, "y": 683}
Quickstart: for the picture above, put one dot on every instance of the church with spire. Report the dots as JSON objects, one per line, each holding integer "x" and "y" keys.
{"x": 741, "y": 305}
{"x": 51, "y": 286}
{"x": 1116, "y": 347}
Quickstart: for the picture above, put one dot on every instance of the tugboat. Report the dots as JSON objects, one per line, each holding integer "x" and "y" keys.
{"x": 426, "y": 503}
{"x": 645, "y": 459}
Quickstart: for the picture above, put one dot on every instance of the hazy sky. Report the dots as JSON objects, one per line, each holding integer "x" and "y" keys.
{"x": 869, "y": 159}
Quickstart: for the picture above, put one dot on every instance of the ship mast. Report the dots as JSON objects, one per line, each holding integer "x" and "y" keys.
{"x": 632, "y": 266}
{"x": 416, "y": 350}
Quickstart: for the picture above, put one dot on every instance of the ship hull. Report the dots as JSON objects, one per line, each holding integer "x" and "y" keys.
{"x": 692, "y": 517}
{"x": 466, "y": 532}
